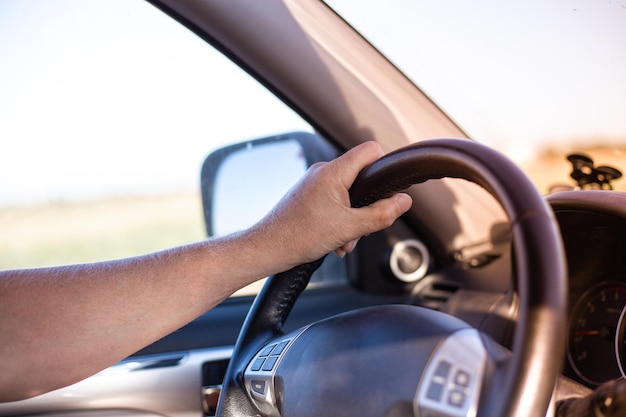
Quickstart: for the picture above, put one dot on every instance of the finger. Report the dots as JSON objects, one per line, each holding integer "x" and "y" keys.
{"x": 378, "y": 216}
{"x": 349, "y": 247}
{"x": 346, "y": 248}
{"x": 382, "y": 213}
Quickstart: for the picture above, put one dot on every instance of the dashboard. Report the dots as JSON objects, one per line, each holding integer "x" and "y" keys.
{"x": 593, "y": 227}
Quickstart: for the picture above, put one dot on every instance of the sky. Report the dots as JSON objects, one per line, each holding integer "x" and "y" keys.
{"x": 65, "y": 77}
{"x": 550, "y": 70}
{"x": 107, "y": 73}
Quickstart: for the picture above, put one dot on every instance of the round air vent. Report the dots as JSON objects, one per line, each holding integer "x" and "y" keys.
{"x": 409, "y": 260}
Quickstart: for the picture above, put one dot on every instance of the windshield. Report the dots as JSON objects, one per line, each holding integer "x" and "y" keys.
{"x": 536, "y": 80}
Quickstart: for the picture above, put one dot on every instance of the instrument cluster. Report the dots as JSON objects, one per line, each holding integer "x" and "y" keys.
{"x": 593, "y": 230}
{"x": 597, "y": 330}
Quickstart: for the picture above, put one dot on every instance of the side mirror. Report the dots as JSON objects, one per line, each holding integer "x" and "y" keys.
{"x": 242, "y": 182}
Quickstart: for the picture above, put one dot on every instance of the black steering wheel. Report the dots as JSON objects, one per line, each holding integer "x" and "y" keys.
{"x": 401, "y": 360}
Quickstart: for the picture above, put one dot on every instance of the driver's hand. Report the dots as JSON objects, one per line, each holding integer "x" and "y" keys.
{"x": 315, "y": 216}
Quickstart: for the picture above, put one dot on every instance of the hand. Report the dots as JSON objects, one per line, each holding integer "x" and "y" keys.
{"x": 315, "y": 216}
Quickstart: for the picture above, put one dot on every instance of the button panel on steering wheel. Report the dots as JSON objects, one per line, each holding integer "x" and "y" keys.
{"x": 259, "y": 374}
{"x": 451, "y": 383}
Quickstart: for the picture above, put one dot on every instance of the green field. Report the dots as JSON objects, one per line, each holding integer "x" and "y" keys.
{"x": 64, "y": 233}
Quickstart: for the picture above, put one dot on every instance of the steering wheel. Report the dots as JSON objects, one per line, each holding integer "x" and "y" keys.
{"x": 401, "y": 360}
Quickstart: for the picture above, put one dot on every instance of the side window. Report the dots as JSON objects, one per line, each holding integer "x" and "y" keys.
{"x": 108, "y": 110}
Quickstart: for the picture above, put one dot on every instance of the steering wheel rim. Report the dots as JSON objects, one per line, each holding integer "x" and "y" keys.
{"x": 531, "y": 371}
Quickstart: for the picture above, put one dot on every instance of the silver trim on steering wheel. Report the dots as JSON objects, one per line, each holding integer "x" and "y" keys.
{"x": 452, "y": 381}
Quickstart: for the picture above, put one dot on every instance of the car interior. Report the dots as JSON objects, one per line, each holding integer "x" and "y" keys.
{"x": 137, "y": 126}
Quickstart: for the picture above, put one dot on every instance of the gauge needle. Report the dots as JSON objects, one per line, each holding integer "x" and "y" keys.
{"x": 587, "y": 333}
{"x": 604, "y": 332}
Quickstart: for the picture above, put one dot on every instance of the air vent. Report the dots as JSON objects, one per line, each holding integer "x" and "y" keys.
{"x": 434, "y": 295}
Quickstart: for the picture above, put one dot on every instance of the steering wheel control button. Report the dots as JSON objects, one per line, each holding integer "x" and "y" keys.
{"x": 435, "y": 391}
{"x": 462, "y": 378}
{"x": 443, "y": 370}
{"x": 456, "y": 399}
{"x": 280, "y": 348}
{"x": 269, "y": 363}
{"x": 257, "y": 364}
{"x": 452, "y": 380}
{"x": 258, "y": 387}
{"x": 267, "y": 350}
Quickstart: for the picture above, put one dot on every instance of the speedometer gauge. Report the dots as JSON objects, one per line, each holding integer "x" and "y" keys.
{"x": 593, "y": 350}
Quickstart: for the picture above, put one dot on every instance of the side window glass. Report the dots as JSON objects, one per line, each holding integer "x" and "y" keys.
{"x": 108, "y": 110}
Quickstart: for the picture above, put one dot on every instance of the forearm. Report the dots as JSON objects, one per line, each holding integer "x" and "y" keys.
{"x": 81, "y": 319}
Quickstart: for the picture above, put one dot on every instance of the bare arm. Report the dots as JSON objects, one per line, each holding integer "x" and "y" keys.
{"x": 60, "y": 325}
